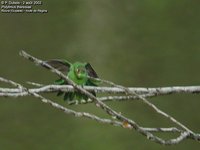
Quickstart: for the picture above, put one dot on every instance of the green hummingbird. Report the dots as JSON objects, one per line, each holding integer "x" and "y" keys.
{"x": 79, "y": 73}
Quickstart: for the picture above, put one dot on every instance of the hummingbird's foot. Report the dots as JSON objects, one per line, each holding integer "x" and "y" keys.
{"x": 89, "y": 100}
{"x": 73, "y": 102}
{"x": 83, "y": 101}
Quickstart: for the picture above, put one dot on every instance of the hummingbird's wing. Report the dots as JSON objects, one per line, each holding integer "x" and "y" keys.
{"x": 61, "y": 65}
{"x": 90, "y": 71}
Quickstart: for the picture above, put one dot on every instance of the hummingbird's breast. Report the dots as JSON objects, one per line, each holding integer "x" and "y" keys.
{"x": 74, "y": 78}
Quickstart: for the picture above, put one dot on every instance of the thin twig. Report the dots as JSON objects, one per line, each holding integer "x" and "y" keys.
{"x": 35, "y": 84}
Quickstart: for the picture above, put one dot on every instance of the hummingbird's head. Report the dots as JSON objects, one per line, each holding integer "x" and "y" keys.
{"x": 80, "y": 70}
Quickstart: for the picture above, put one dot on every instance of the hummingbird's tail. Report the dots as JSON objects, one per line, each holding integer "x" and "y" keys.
{"x": 72, "y": 96}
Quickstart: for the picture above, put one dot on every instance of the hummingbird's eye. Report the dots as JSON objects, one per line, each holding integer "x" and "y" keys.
{"x": 78, "y": 70}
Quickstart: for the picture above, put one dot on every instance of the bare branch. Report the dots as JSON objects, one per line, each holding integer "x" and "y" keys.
{"x": 100, "y": 104}
{"x": 120, "y": 120}
{"x": 83, "y": 114}
{"x": 144, "y": 92}
{"x": 60, "y": 107}
{"x": 171, "y": 129}
{"x": 159, "y": 111}
{"x": 114, "y": 90}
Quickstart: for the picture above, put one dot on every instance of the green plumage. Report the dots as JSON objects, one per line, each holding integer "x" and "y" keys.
{"x": 78, "y": 73}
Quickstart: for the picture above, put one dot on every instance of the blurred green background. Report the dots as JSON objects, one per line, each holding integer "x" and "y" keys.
{"x": 138, "y": 43}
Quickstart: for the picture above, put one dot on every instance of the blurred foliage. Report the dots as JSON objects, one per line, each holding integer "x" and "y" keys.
{"x": 133, "y": 43}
